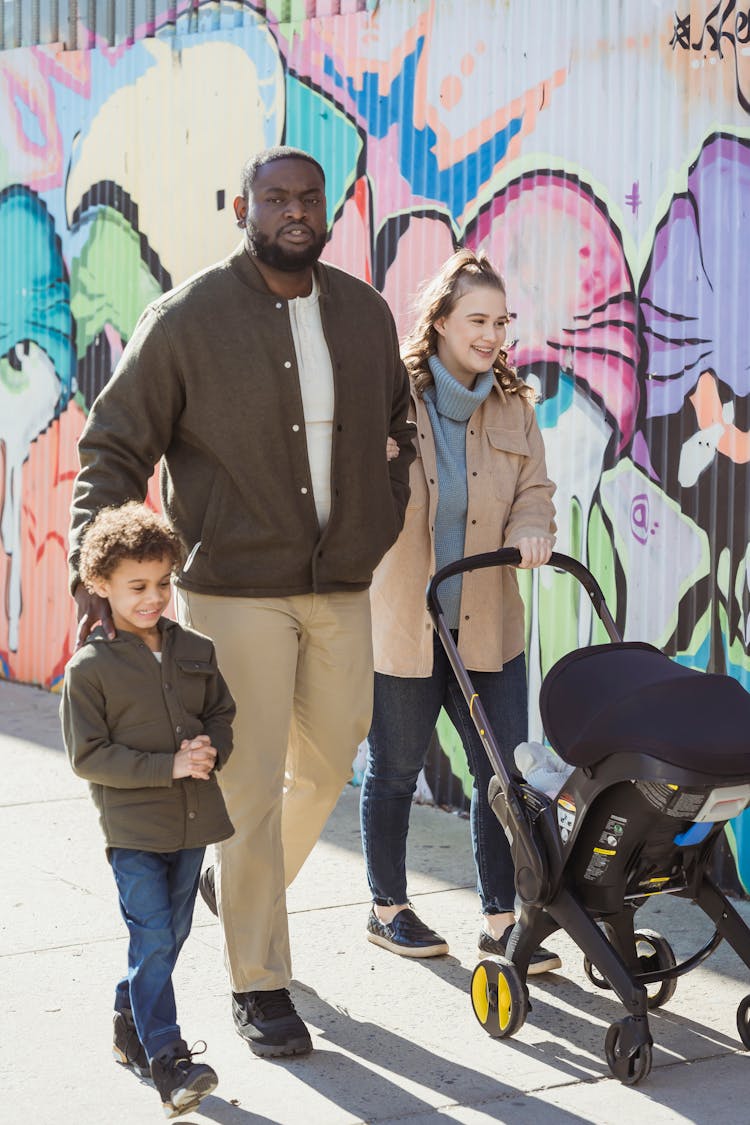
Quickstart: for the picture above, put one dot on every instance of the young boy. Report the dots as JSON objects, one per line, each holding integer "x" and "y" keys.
{"x": 147, "y": 720}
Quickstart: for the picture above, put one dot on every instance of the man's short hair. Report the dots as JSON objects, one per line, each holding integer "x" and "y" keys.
{"x": 268, "y": 156}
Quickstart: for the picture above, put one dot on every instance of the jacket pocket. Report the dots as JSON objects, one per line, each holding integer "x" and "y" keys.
{"x": 508, "y": 447}
{"x": 151, "y": 819}
{"x": 193, "y": 675}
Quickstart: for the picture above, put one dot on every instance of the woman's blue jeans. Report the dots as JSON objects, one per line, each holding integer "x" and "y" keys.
{"x": 404, "y": 717}
{"x": 157, "y": 895}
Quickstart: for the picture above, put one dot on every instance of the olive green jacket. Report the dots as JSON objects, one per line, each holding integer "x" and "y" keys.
{"x": 124, "y": 716}
{"x": 209, "y": 382}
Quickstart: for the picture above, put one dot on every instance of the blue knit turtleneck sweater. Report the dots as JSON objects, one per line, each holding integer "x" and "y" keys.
{"x": 450, "y": 405}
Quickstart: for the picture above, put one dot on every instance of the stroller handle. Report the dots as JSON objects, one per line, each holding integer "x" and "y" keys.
{"x": 511, "y": 556}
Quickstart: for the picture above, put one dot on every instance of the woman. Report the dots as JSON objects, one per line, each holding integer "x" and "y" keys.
{"x": 479, "y": 482}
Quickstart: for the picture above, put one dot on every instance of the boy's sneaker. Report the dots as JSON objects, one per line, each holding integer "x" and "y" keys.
{"x": 207, "y": 888}
{"x": 406, "y": 935}
{"x": 270, "y": 1023}
{"x": 126, "y": 1046}
{"x": 182, "y": 1084}
{"x": 542, "y": 960}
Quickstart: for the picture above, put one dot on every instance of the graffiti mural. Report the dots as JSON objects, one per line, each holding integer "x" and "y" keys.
{"x": 601, "y": 158}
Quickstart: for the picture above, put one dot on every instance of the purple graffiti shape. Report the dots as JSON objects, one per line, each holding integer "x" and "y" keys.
{"x": 694, "y": 292}
{"x": 639, "y": 517}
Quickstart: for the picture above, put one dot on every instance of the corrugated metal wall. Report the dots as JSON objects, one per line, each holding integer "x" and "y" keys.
{"x": 600, "y": 152}
{"x": 82, "y": 24}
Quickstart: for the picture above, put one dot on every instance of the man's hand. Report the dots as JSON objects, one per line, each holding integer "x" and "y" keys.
{"x": 535, "y": 551}
{"x": 195, "y": 758}
{"x": 91, "y": 608}
{"x": 391, "y": 449}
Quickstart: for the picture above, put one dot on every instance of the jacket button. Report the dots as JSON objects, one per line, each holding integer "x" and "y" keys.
{"x": 474, "y": 474}
{"x": 473, "y": 521}
{"x": 287, "y": 363}
{"x": 295, "y": 427}
{"x": 432, "y": 479}
{"x": 279, "y": 305}
{"x": 178, "y": 730}
{"x": 303, "y": 491}
{"x": 466, "y": 617}
{"x": 191, "y": 816}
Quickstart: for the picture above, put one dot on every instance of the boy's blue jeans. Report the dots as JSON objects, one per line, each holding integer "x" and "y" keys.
{"x": 404, "y": 716}
{"x": 157, "y": 894}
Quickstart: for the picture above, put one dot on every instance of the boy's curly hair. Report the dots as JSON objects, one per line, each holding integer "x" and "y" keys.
{"x": 131, "y": 531}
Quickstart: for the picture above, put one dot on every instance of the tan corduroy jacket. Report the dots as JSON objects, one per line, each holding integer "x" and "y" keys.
{"x": 509, "y": 497}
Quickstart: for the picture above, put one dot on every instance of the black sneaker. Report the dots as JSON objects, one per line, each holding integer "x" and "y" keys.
{"x": 126, "y": 1046}
{"x": 270, "y": 1023}
{"x": 542, "y": 960}
{"x": 182, "y": 1084}
{"x": 207, "y": 889}
{"x": 406, "y": 935}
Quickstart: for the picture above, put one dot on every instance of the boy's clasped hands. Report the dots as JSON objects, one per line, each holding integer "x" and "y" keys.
{"x": 195, "y": 758}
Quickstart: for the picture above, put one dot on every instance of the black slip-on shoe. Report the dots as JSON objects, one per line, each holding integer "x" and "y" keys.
{"x": 126, "y": 1046}
{"x": 542, "y": 960}
{"x": 270, "y": 1023}
{"x": 207, "y": 889}
{"x": 182, "y": 1084}
{"x": 406, "y": 935}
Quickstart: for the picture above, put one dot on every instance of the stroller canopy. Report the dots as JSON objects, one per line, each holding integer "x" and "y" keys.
{"x": 630, "y": 697}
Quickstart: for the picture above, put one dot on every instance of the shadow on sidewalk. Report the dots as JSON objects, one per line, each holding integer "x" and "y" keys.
{"x": 365, "y": 1088}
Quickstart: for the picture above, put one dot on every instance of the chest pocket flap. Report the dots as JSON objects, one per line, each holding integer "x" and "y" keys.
{"x": 195, "y": 667}
{"x": 508, "y": 441}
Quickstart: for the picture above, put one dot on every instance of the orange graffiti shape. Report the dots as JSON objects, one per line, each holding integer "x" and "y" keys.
{"x": 733, "y": 443}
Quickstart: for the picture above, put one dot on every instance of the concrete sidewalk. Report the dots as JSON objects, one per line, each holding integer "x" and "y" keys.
{"x": 396, "y": 1040}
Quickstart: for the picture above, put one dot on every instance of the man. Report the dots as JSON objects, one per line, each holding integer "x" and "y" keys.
{"x": 269, "y": 384}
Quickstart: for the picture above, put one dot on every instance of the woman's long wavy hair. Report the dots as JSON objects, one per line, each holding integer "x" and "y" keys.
{"x": 463, "y": 271}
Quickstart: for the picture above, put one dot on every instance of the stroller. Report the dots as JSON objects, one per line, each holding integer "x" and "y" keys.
{"x": 662, "y": 759}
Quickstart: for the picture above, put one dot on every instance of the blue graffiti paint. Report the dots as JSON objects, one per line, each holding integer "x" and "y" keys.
{"x": 456, "y": 186}
{"x": 316, "y": 126}
{"x": 34, "y": 289}
{"x": 550, "y": 410}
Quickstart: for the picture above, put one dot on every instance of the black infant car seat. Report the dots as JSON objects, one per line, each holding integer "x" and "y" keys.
{"x": 662, "y": 757}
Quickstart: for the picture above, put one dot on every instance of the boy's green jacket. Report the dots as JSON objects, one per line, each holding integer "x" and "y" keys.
{"x": 124, "y": 715}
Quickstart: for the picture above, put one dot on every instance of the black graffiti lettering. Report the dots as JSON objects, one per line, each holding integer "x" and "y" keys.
{"x": 742, "y": 27}
{"x": 681, "y": 33}
{"x": 714, "y": 33}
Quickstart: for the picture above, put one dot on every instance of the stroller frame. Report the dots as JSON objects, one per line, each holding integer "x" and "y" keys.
{"x": 604, "y": 928}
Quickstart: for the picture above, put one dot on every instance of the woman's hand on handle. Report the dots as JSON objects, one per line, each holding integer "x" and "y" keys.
{"x": 535, "y": 551}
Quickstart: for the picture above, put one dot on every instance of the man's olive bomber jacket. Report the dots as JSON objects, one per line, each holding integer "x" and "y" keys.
{"x": 209, "y": 382}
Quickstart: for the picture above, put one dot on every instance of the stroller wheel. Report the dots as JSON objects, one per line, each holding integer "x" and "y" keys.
{"x": 499, "y": 997}
{"x": 743, "y": 1021}
{"x": 655, "y": 954}
{"x": 594, "y": 975}
{"x": 629, "y": 1069}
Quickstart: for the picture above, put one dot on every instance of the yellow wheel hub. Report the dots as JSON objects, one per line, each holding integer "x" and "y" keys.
{"x": 480, "y": 994}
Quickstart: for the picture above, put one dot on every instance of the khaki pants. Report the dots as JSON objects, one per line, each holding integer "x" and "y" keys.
{"x": 300, "y": 670}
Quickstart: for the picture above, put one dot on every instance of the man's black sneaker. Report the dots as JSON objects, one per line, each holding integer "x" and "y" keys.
{"x": 406, "y": 935}
{"x": 542, "y": 960}
{"x": 126, "y": 1046}
{"x": 207, "y": 888}
{"x": 270, "y": 1023}
{"x": 182, "y": 1084}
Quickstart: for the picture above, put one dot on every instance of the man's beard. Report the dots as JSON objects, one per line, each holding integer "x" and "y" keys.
{"x": 274, "y": 255}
